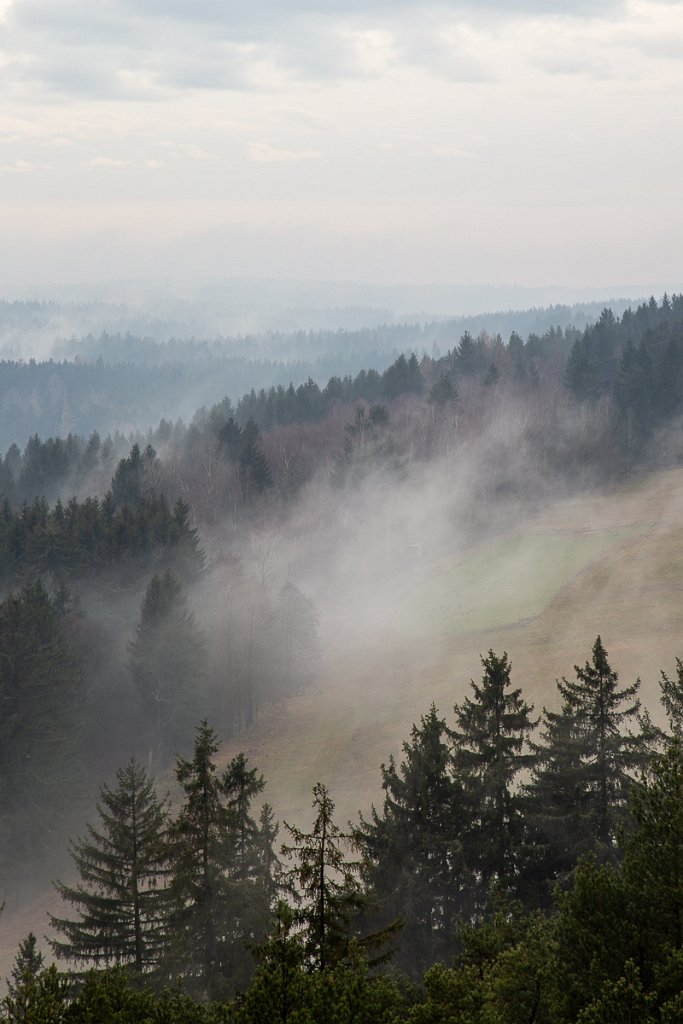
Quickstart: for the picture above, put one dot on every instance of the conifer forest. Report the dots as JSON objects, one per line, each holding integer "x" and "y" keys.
{"x": 515, "y": 859}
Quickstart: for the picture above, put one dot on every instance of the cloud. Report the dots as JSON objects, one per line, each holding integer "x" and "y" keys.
{"x": 106, "y": 161}
{"x": 262, "y": 152}
{"x": 134, "y": 48}
{"x": 20, "y": 167}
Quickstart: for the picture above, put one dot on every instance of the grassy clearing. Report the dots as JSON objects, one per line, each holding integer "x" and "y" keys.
{"x": 509, "y": 580}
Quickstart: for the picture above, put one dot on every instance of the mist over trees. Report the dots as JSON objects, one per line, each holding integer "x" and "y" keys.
{"x": 152, "y": 580}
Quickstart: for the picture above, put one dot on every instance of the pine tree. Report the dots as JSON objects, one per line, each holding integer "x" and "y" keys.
{"x": 200, "y": 891}
{"x": 167, "y": 660}
{"x": 221, "y": 901}
{"x": 325, "y": 882}
{"x": 415, "y": 868}
{"x": 121, "y": 900}
{"x": 490, "y": 751}
{"x": 248, "y": 867}
{"x": 608, "y": 756}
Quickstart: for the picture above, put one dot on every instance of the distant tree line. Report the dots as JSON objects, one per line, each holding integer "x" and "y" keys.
{"x": 504, "y": 879}
{"x": 584, "y": 405}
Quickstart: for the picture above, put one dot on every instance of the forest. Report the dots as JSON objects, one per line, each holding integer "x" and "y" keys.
{"x": 167, "y": 585}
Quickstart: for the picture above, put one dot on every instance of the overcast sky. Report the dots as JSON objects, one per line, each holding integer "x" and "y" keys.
{"x": 519, "y": 142}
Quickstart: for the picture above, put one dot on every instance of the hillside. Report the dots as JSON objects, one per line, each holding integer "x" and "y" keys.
{"x": 607, "y": 563}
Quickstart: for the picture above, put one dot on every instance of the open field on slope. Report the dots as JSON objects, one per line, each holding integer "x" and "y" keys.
{"x": 609, "y": 564}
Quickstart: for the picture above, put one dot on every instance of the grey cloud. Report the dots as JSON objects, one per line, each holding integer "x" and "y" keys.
{"x": 81, "y": 47}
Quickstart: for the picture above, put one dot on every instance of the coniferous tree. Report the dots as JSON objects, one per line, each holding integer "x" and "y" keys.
{"x": 325, "y": 882}
{"x": 200, "y": 889}
{"x": 19, "y": 1005}
{"x": 41, "y": 695}
{"x": 415, "y": 866}
{"x": 121, "y": 900}
{"x": 220, "y": 899}
{"x": 672, "y": 698}
{"x": 556, "y": 803}
{"x": 608, "y": 756}
{"x": 491, "y": 735}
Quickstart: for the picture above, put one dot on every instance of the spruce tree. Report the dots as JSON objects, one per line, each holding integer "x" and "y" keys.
{"x": 491, "y": 740}
{"x": 556, "y": 802}
{"x": 608, "y": 757}
{"x": 325, "y": 882}
{"x": 121, "y": 900}
{"x": 22, "y": 988}
{"x": 415, "y": 868}
{"x": 672, "y": 698}
{"x": 220, "y": 901}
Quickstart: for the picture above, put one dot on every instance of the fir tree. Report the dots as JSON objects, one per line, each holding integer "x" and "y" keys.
{"x": 607, "y": 755}
{"x": 325, "y": 882}
{"x": 221, "y": 901}
{"x": 121, "y": 900}
{"x": 491, "y": 737}
{"x": 415, "y": 868}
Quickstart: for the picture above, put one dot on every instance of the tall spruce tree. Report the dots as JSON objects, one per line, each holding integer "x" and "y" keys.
{"x": 121, "y": 901}
{"x": 220, "y": 902}
{"x": 491, "y": 749}
{"x": 325, "y": 882}
{"x": 608, "y": 756}
{"x": 415, "y": 867}
{"x": 200, "y": 890}
{"x": 586, "y": 766}
{"x": 556, "y": 807}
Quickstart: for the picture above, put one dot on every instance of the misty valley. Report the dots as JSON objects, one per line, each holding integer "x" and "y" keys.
{"x": 340, "y": 666}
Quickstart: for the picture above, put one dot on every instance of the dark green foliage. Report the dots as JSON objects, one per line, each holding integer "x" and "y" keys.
{"x": 41, "y": 695}
{"x": 491, "y": 738}
{"x": 577, "y": 797}
{"x": 556, "y": 806}
{"x": 402, "y": 377}
{"x": 672, "y": 698}
{"x": 134, "y": 477}
{"x": 221, "y": 873}
{"x": 201, "y": 892}
{"x": 442, "y": 391}
{"x": 121, "y": 900}
{"x": 416, "y": 868}
{"x": 42, "y": 998}
{"x": 90, "y": 538}
{"x": 20, "y": 1003}
{"x": 606, "y": 755}
{"x": 325, "y": 882}
{"x": 167, "y": 665}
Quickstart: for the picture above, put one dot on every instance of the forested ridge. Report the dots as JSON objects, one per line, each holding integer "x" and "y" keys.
{"x": 141, "y": 591}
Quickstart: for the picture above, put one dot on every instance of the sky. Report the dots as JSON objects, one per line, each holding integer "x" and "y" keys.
{"x": 531, "y": 143}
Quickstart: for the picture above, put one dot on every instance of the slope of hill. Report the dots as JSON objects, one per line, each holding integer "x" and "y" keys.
{"x": 608, "y": 563}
